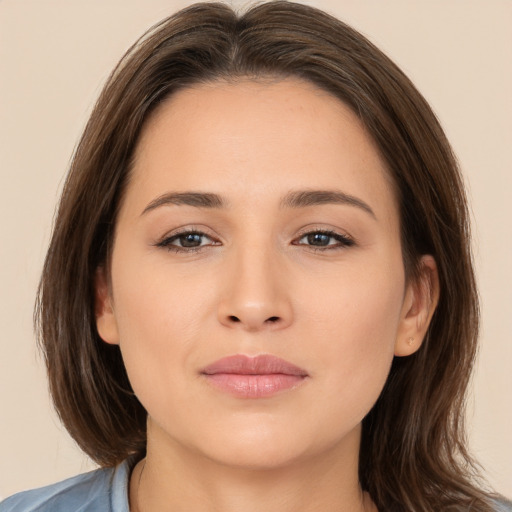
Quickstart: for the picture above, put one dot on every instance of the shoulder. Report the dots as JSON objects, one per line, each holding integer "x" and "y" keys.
{"x": 103, "y": 489}
{"x": 501, "y": 505}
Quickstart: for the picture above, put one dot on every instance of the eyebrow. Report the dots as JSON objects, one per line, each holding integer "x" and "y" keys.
{"x": 305, "y": 198}
{"x": 197, "y": 199}
{"x": 294, "y": 199}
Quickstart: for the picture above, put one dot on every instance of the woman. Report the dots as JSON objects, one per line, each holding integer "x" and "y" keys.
{"x": 259, "y": 292}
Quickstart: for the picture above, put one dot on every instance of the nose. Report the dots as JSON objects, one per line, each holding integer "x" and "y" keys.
{"x": 255, "y": 292}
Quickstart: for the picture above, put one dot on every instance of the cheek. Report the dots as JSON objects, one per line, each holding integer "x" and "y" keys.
{"x": 354, "y": 324}
{"x": 354, "y": 302}
{"x": 159, "y": 321}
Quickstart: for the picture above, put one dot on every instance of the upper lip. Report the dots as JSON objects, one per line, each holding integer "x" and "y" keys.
{"x": 257, "y": 365}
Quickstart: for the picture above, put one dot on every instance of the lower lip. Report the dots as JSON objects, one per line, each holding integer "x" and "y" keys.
{"x": 254, "y": 386}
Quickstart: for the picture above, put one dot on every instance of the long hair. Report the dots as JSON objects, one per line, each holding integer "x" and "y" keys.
{"x": 413, "y": 453}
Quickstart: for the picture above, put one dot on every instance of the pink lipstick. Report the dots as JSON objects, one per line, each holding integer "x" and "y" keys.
{"x": 253, "y": 377}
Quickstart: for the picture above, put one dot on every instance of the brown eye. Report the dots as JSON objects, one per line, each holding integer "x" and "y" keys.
{"x": 190, "y": 240}
{"x": 187, "y": 241}
{"x": 318, "y": 239}
{"x": 325, "y": 239}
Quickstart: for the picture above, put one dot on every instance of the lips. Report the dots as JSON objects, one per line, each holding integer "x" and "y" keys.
{"x": 253, "y": 377}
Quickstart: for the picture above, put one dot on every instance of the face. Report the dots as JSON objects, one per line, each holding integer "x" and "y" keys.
{"x": 259, "y": 221}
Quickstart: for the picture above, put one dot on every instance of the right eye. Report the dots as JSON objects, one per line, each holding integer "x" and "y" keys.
{"x": 187, "y": 241}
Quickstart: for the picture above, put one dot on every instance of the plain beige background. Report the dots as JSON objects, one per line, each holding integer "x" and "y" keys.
{"x": 55, "y": 56}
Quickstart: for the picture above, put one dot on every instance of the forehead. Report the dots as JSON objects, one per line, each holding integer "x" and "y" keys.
{"x": 286, "y": 134}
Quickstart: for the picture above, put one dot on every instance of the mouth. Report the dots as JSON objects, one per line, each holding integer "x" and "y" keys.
{"x": 253, "y": 377}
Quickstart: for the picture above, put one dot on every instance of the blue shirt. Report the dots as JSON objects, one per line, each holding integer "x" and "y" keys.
{"x": 103, "y": 490}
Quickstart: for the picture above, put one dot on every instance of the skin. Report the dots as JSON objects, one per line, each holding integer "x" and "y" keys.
{"x": 258, "y": 285}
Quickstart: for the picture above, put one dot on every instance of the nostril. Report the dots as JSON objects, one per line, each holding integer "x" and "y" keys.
{"x": 269, "y": 320}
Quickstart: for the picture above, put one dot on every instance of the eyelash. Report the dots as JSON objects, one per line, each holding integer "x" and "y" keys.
{"x": 166, "y": 243}
{"x": 343, "y": 241}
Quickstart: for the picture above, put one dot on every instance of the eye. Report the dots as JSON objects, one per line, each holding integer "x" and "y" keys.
{"x": 187, "y": 241}
{"x": 325, "y": 240}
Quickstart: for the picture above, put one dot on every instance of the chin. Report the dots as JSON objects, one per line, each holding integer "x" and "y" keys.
{"x": 257, "y": 457}
{"x": 265, "y": 449}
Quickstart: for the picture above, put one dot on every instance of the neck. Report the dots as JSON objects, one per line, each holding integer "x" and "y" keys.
{"x": 176, "y": 479}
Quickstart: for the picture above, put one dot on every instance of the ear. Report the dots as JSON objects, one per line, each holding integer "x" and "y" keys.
{"x": 105, "y": 317}
{"x": 420, "y": 302}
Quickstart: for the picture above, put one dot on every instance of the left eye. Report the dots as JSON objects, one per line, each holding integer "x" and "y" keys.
{"x": 322, "y": 239}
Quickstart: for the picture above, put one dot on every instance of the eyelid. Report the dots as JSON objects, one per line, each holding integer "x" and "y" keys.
{"x": 165, "y": 241}
{"x": 344, "y": 240}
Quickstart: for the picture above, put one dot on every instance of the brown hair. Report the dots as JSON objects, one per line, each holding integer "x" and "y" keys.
{"x": 413, "y": 454}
